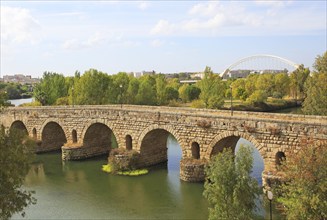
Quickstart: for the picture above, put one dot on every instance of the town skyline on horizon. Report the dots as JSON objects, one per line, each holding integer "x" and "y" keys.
{"x": 167, "y": 37}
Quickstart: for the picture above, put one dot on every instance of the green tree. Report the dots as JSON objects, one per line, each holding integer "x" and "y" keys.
{"x": 239, "y": 91}
{"x": 91, "y": 88}
{"x": 3, "y": 98}
{"x": 298, "y": 78}
{"x": 304, "y": 193}
{"x": 282, "y": 84}
{"x": 15, "y": 159}
{"x": 133, "y": 88}
{"x": 229, "y": 188}
{"x": 315, "y": 102}
{"x": 171, "y": 93}
{"x": 265, "y": 82}
{"x": 320, "y": 64}
{"x": 250, "y": 84}
{"x": 147, "y": 92}
{"x": 193, "y": 92}
{"x": 13, "y": 91}
{"x": 161, "y": 89}
{"x": 212, "y": 89}
{"x": 259, "y": 96}
{"x": 182, "y": 93}
{"x": 51, "y": 87}
{"x": 118, "y": 89}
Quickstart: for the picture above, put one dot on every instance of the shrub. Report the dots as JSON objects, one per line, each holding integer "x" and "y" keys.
{"x": 197, "y": 104}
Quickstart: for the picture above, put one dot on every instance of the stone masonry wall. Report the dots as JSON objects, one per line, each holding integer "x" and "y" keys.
{"x": 270, "y": 133}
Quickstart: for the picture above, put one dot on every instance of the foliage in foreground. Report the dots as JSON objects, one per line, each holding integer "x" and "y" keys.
{"x": 229, "y": 188}
{"x": 108, "y": 169}
{"x": 304, "y": 194}
{"x": 15, "y": 159}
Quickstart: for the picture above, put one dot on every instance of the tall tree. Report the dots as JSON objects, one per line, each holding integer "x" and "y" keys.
{"x": 15, "y": 159}
{"x": 182, "y": 92}
{"x": 265, "y": 82}
{"x": 304, "y": 193}
{"x": 51, "y": 87}
{"x": 239, "y": 91}
{"x": 133, "y": 88}
{"x": 315, "y": 102}
{"x": 119, "y": 87}
{"x": 212, "y": 89}
{"x": 229, "y": 188}
{"x": 147, "y": 92}
{"x": 298, "y": 78}
{"x": 282, "y": 84}
{"x": 161, "y": 89}
{"x": 91, "y": 88}
{"x": 320, "y": 64}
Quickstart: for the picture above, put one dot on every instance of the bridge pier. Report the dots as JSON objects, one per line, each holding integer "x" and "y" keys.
{"x": 79, "y": 152}
{"x": 192, "y": 170}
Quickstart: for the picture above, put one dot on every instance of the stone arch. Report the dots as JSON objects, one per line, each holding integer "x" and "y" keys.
{"x": 98, "y": 136}
{"x": 152, "y": 144}
{"x": 53, "y": 137}
{"x": 101, "y": 121}
{"x": 19, "y": 125}
{"x": 129, "y": 142}
{"x": 195, "y": 148}
{"x": 154, "y": 127}
{"x": 233, "y": 137}
{"x": 59, "y": 122}
{"x": 74, "y": 136}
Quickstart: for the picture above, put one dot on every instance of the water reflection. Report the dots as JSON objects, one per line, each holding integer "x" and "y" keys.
{"x": 80, "y": 190}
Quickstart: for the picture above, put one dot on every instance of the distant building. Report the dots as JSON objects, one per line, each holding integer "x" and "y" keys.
{"x": 143, "y": 73}
{"x": 20, "y": 78}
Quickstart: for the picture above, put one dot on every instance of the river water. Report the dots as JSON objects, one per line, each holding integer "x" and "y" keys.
{"x": 17, "y": 102}
{"x": 80, "y": 190}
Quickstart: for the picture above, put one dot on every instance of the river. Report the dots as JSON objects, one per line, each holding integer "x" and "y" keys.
{"x": 17, "y": 102}
{"x": 80, "y": 190}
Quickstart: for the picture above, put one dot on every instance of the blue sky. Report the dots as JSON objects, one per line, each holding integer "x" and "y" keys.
{"x": 165, "y": 36}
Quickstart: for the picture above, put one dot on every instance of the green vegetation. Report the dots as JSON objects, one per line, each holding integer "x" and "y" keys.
{"x": 315, "y": 89}
{"x": 304, "y": 192}
{"x": 16, "y": 90}
{"x": 229, "y": 188}
{"x": 15, "y": 160}
{"x": 254, "y": 92}
{"x": 108, "y": 169}
{"x": 212, "y": 89}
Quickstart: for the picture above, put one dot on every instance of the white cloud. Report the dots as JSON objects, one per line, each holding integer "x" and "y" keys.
{"x": 163, "y": 27}
{"x": 93, "y": 40}
{"x": 98, "y": 39}
{"x": 19, "y": 26}
{"x": 245, "y": 18}
{"x": 206, "y": 9}
{"x": 157, "y": 43}
{"x": 143, "y": 5}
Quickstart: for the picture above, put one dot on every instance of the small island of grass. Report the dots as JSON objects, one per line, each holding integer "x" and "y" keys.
{"x": 108, "y": 169}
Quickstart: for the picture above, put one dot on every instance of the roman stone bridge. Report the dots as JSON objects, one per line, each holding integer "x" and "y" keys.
{"x": 87, "y": 131}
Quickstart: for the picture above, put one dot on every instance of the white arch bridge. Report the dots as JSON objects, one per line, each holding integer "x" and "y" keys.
{"x": 261, "y": 63}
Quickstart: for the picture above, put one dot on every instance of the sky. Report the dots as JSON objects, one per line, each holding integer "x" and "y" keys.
{"x": 164, "y": 36}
